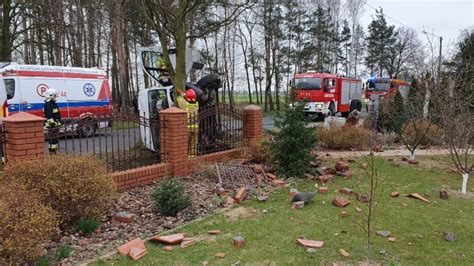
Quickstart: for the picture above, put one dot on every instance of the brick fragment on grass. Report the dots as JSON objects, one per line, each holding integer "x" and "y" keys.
{"x": 125, "y": 248}
{"x": 169, "y": 239}
{"x": 137, "y": 253}
{"x": 241, "y": 194}
{"x": 344, "y": 253}
{"x": 341, "y": 202}
{"x": 220, "y": 255}
{"x": 310, "y": 243}
{"x": 323, "y": 190}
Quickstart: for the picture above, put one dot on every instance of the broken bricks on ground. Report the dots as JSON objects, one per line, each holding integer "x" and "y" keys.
{"x": 235, "y": 183}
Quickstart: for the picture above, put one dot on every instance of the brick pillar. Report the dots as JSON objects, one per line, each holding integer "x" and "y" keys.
{"x": 174, "y": 141}
{"x": 253, "y": 130}
{"x": 24, "y": 136}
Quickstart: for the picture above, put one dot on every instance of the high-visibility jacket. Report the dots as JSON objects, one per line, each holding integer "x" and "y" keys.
{"x": 192, "y": 111}
{"x": 51, "y": 112}
{"x": 161, "y": 63}
{"x": 181, "y": 102}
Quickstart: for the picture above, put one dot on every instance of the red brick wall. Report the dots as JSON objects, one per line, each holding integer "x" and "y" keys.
{"x": 25, "y": 139}
{"x": 139, "y": 176}
{"x": 217, "y": 156}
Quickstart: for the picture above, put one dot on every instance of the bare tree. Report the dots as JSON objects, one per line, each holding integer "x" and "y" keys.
{"x": 404, "y": 53}
{"x": 170, "y": 20}
{"x": 369, "y": 213}
{"x": 456, "y": 116}
{"x": 355, "y": 9}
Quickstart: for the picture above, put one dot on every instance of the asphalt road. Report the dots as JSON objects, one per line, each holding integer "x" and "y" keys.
{"x": 105, "y": 140}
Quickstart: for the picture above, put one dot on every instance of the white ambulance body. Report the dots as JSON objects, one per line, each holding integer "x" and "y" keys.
{"x": 82, "y": 91}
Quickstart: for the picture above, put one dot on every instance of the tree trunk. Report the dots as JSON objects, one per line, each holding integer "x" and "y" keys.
{"x": 268, "y": 46}
{"x": 465, "y": 178}
{"x": 276, "y": 70}
{"x": 5, "y": 34}
{"x": 247, "y": 74}
{"x": 254, "y": 66}
{"x": 91, "y": 35}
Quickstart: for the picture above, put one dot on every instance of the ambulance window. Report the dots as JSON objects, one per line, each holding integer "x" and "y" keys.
{"x": 10, "y": 88}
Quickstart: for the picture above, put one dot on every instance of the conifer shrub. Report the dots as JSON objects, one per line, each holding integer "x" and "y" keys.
{"x": 25, "y": 224}
{"x": 75, "y": 186}
{"x": 392, "y": 113}
{"x": 87, "y": 226}
{"x": 170, "y": 197}
{"x": 292, "y": 142}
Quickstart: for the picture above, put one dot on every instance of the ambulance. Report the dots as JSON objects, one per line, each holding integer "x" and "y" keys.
{"x": 82, "y": 91}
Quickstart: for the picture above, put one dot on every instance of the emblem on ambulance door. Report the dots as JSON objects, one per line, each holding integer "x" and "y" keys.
{"x": 41, "y": 89}
{"x": 89, "y": 89}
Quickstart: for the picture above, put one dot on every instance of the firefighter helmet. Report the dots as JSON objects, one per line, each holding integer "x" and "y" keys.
{"x": 51, "y": 93}
{"x": 191, "y": 95}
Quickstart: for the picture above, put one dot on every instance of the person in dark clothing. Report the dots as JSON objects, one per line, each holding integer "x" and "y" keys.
{"x": 53, "y": 118}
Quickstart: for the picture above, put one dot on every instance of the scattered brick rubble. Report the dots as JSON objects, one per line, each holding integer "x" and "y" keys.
{"x": 310, "y": 243}
{"x": 418, "y": 197}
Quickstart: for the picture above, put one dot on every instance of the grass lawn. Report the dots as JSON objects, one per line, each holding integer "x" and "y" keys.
{"x": 270, "y": 237}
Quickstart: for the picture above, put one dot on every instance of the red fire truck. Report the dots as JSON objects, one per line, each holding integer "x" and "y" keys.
{"x": 384, "y": 86}
{"x": 327, "y": 94}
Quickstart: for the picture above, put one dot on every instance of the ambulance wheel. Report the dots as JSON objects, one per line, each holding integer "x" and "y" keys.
{"x": 88, "y": 131}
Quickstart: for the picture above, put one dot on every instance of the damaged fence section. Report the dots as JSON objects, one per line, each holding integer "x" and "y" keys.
{"x": 215, "y": 129}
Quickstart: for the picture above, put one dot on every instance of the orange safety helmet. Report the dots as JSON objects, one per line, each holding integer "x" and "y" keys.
{"x": 191, "y": 95}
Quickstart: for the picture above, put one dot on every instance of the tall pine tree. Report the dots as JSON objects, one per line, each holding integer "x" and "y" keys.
{"x": 380, "y": 41}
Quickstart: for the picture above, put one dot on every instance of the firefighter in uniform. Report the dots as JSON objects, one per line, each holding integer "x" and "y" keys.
{"x": 163, "y": 75}
{"x": 181, "y": 99}
{"x": 192, "y": 107}
{"x": 53, "y": 117}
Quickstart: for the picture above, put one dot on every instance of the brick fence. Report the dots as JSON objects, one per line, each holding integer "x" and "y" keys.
{"x": 24, "y": 139}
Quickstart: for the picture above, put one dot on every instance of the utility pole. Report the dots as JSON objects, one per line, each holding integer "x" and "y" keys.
{"x": 440, "y": 49}
{"x": 438, "y": 76}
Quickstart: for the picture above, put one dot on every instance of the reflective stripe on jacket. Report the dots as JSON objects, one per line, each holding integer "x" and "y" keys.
{"x": 192, "y": 112}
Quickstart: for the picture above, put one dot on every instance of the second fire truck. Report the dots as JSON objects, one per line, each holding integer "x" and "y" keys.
{"x": 327, "y": 94}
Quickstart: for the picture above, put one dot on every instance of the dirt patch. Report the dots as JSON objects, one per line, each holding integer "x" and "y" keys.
{"x": 242, "y": 213}
{"x": 148, "y": 221}
{"x": 459, "y": 195}
{"x": 433, "y": 163}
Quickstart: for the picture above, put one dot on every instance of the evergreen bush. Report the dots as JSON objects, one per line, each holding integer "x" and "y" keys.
{"x": 170, "y": 198}
{"x": 292, "y": 142}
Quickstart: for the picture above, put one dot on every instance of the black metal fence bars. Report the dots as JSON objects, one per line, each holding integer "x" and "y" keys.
{"x": 215, "y": 129}
{"x": 122, "y": 140}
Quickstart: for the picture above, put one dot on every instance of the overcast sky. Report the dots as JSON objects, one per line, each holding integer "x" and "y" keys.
{"x": 445, "y": 18}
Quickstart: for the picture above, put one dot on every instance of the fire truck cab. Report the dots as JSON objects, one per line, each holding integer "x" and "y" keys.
{"x": 327, "y": 94}
{"x": 385, "y": 86}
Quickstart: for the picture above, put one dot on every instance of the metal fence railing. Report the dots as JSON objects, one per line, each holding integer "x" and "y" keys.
{"x": 121, "y": 140}
{"x": 215, "y": 129}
